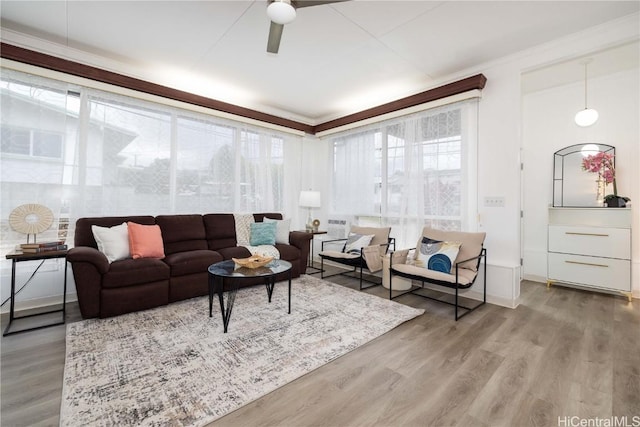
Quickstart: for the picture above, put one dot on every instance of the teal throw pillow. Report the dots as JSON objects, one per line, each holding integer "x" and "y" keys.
{"x": 263, "y": 233}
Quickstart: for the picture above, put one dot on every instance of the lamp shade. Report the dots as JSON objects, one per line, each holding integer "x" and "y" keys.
{"x": 309, "y": 199}
{"x": 281, "y": 12}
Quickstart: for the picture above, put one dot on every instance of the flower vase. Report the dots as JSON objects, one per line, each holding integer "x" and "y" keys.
{"x": 600, "y": 190}
{"x": 616, "y": 202}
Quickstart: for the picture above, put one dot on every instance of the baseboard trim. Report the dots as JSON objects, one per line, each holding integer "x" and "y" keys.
{"x": 467, "y": 293}
{"x": 38, "y": 303}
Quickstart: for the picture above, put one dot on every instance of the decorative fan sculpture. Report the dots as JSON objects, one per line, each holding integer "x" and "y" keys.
{"x": 30, "y": 219}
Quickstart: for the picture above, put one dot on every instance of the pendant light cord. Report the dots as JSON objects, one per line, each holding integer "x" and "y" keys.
{"x": 585, "y": 86}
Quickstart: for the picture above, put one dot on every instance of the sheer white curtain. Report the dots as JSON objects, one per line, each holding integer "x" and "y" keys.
{"x": 84, "y": 152}
{"x": 39, "y": 121}
{"x": 356, "y": 173}
{"x": 409, "y": 172}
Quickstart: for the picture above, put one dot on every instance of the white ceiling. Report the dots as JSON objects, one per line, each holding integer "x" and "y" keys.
{"x": 334, "y": 59}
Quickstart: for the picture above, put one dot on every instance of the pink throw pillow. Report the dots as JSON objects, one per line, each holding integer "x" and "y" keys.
{"x": 145, "y": 241}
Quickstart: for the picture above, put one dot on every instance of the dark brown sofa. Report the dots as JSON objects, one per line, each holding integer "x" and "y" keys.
{"x": 191, "y": 244}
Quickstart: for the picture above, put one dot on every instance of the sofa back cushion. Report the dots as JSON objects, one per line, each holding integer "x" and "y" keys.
{"x": 220, "y": 229}
{"x": 84, "y": 236}
{"x": 182, "y": 233}
{"x": 260, "y": 216}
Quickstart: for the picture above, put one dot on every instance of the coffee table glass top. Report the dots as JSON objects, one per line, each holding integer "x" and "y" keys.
{"x": 229, "y": 269}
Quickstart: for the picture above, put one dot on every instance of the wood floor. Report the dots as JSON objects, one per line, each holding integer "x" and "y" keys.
{"x": 561, "y": 353}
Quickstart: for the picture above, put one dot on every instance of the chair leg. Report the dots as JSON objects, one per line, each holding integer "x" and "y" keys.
{"x": 485, "y": 276}
{"x": 360, "y": 276}
{"x": 322, "y": 267}
{"x": 456, "y": 303}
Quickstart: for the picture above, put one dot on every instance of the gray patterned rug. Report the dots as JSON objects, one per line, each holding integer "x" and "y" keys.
{"x": 173, "y": 365}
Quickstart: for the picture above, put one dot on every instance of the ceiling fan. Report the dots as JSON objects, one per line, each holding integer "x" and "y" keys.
{"x": 282, "y": 12}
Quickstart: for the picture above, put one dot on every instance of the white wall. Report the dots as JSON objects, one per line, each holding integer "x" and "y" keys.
{"x": 500, "y": 143}
{"x": 548, "y": 127}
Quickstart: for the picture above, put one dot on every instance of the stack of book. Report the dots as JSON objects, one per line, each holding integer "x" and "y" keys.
{"x": 35, "y": 248}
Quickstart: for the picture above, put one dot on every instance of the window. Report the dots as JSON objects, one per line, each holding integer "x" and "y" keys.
{"x": 116, "y": 155}
{"x": 408, "y": 172}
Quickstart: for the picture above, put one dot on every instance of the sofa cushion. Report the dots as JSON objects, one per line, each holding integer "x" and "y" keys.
{"x": 220, "y": 231}
{"x": 183, "y": 263}
{"x": 283, "y": 226}
{"x": 130, "y": 272}
{"x": 181, "y": 233}
{"x": 263, "y": 233}
{"x": 465, "y": 276}
{"x": 145, "y": 241}
{"x": 436, "y": 255}
{"x": 113, "y": 242}
{"x": 471, "y": 244}
{"x": 234, "y": 252}
{"x": 83, "y": 236}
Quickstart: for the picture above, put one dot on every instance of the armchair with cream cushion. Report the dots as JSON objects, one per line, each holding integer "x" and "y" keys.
{"x": 445, "y": 258}
{"x": 364, "y": 248}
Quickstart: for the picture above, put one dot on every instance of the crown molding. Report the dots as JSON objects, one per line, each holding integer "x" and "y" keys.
{"x": 54, "y": 63}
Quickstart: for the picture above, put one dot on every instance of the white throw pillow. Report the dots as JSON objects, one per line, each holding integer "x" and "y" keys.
{"x": 113, "y": 242}
{"x": 283, "y": 226}
{"x": 355, "y": 242}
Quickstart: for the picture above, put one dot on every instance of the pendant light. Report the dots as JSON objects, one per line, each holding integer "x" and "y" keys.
{"x": 588, "y": 116}
{"x": 281, "y": 11}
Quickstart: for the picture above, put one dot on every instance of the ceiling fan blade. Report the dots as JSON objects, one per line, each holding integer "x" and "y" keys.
{"x": 307, "y": 3}
{"x": 275, "y": 34}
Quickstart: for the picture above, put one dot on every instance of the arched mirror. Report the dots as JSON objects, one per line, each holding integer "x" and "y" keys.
{"x": 573, "y": 186}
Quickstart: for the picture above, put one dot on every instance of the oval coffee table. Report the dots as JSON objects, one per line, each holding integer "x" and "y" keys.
{"x": 227, "y": 272}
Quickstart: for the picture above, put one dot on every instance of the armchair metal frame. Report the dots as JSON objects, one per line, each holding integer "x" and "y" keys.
{"x": 355, "y": 263}
{"x": 482, "y": 257}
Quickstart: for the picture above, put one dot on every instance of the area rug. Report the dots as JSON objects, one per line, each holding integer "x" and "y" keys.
{"x": 173, "y": 365}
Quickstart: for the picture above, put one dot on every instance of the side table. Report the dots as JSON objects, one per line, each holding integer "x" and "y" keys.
{"x": 17, "y": 257}
{"x": 310, "y": 260}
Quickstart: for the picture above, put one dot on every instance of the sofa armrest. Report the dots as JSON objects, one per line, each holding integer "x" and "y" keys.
{"x": 301, "y": 240}
{"x": 89, "y": 255}
{"x": 88, "y": 265}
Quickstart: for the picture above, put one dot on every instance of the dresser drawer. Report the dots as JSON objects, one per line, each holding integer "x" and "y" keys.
{"x": 592, "y": 271}
{"x": 593, "y": 241}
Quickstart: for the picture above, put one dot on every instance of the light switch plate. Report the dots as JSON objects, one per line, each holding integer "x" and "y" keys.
{"x": 494, "y": 202}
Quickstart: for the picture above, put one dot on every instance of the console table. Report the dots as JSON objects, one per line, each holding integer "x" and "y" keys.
{"x": 17, "y": 257}
{"x": 590, "y": 248}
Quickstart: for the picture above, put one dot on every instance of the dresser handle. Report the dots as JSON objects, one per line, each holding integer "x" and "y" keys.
{"x": 586, "y": 263}
{"x": 587, "y": 234}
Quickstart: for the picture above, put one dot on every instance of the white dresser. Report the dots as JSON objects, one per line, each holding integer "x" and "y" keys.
{"x": 590, "y": 247}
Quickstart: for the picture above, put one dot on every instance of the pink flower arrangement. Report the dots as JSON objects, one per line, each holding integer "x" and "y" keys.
{"x": 602, "y": 164}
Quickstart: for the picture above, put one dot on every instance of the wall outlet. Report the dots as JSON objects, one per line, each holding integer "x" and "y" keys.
{"x": 494, "y": 202}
